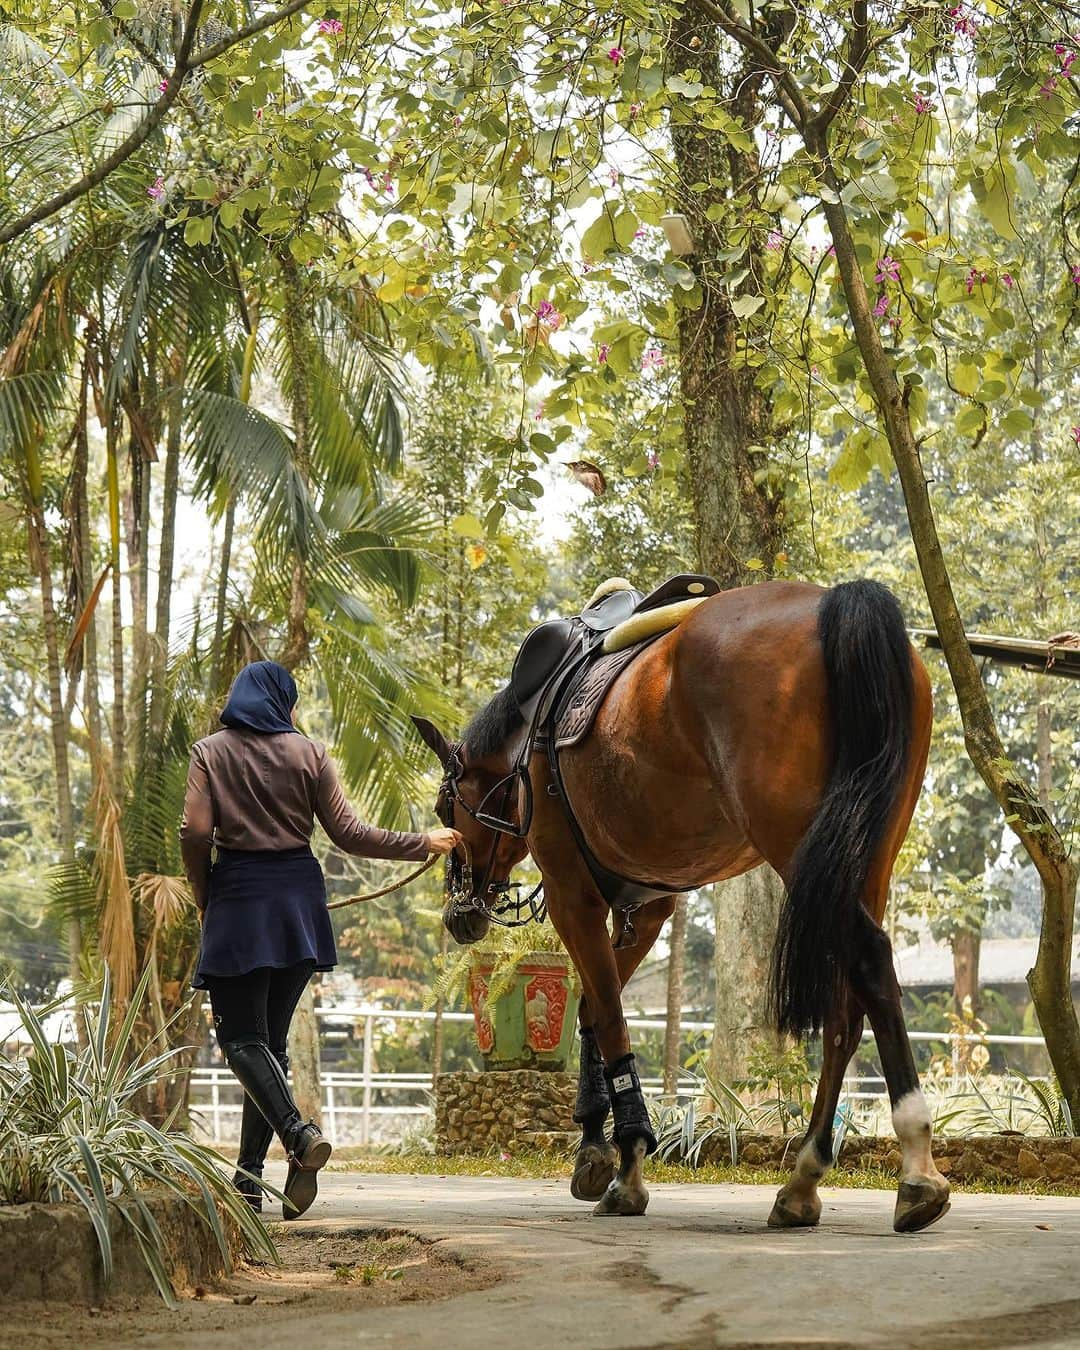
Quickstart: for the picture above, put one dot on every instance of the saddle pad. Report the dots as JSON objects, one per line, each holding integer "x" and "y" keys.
{"x": 581, "y": 702}
{"x": 649, "y": 623}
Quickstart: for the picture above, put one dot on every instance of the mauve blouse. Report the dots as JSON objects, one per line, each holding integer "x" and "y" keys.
{"x": 257, "y": 792}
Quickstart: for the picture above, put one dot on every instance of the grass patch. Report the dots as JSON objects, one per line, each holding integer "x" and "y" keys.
{"x": 555, "y": 1167}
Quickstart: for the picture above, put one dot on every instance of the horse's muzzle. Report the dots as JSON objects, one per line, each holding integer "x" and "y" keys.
{"x": 465, "y": 925}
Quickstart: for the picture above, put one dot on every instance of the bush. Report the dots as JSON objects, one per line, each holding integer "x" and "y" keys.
{"x": 67, "y": 1133}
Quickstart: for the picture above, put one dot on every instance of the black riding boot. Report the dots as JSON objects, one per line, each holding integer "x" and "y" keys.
{"x": 264, "y": 1082}
{"x": 255, "y": 1138}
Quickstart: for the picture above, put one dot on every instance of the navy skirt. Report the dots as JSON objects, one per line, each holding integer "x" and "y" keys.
{"x": 264, "y": 909}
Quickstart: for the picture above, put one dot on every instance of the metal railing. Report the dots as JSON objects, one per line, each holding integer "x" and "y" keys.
{"x": 216, "y": 1095}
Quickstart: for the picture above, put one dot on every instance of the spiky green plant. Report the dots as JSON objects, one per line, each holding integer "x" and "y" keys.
{"x": 68, "y": 1133}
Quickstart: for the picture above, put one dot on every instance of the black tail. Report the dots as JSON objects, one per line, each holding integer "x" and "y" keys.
{"x": 823, "y": 924}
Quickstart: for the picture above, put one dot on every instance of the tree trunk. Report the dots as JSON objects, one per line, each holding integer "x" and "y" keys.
{"x": 304, "y": 1057}
{"x": 58, "y": 724}
{"x": 297, "y": 339}
{"x": 85, "y": 563}
{"x": 137, "y": 523}
{"x": 675, "y": 980}
{"x": 966, "y": 943}
{"x": 159, "y": 661}
{"x": 737, "y": 513}
{"x": 1049, "y": 979}
{"x": 217, "y": 659}
{"x": 746, "y": 912}
{"x": 118, "y": 732}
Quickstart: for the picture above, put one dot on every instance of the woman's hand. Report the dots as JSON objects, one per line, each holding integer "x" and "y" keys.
{"x": 443, "y": 841}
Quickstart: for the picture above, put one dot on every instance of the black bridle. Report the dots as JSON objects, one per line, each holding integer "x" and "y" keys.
{"x": 490, "y": 898}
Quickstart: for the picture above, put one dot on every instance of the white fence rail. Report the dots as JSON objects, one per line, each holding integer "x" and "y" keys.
{"x": 349, "y": 1098}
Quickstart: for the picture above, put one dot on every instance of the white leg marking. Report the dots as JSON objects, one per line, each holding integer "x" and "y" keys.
{"x": 911, "y": 1121}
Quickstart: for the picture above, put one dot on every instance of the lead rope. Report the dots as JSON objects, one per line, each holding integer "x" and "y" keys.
{"x": 387, "y": 890}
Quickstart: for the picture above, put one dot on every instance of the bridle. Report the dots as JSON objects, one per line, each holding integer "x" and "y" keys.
{"x": 490, "y": 898}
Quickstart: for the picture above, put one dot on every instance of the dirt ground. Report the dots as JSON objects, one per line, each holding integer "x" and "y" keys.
{"x": 342, "y": 1271}
{"x": 447, "y": 1262}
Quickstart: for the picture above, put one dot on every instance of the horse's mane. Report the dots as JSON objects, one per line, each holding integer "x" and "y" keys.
{"x": 493, "y": 725}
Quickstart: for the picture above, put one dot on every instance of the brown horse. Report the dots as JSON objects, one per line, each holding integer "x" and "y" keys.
{"x": 781, "y": 723}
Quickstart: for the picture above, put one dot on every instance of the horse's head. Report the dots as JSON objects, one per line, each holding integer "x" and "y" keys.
{"x": 478, "y": 870}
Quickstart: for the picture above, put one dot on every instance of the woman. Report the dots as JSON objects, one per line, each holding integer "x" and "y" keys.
{"x": 254, "y": 791}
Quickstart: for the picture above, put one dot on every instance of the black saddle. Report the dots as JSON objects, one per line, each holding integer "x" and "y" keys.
{"x": 559, "y": 680}
{"x": 550, "y": 650}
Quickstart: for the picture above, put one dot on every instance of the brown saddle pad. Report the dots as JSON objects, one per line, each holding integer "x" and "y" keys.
{"x": 581, "y": 702}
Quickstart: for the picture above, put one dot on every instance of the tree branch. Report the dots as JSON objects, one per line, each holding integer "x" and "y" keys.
{"x": 858, "y": 48}
{"x": 791, "y": 96}
{"x": 242, "y": 34}
{"x": 185, "y": 63}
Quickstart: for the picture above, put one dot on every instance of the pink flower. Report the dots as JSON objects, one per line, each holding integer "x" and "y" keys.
{"x": 163, "y": 86}
{"x": 653, "y": 359}
{"x": 1074, "y": 272}
{"x": 635, "y": 111}
{"x": 922, "y": 105}
{"x": 1048, "y": 86}
{"x": 882, "y": 305}
{"x": 774, "y": 240}
{"x": 830, "y": 252}
{"x": 640, "y": 234}
{"x": 157, "y": 190}
{"x": 652, "y": 459}
{"x": 1007, "y": 280}
{"x": 604, "y": 352}
{"x": 616, "y": 54}
{"x": 370, "y": 177}
{"x": 974, "y": 278}
{"x": 1076, "y": 435}
{"x": 613, "y": 177}
{"x": 549, "y": 316}
{"x": 538, "y": 415}
{"x": 388, "y": 184}
{"x": 888, "y": 269}
{"x": 963, "y": 21}
{"x": 334, "y": 26}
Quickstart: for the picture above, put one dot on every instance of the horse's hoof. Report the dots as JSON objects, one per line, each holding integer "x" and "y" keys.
{"x": 791, "y": 1211}
{"x": 594, "y": 1170}
{"x": 920, "y": 1203}
{"x": 619, "y": 1198}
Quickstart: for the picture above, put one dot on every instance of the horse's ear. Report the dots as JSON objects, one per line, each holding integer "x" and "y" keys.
{"x": 433, "y": 738}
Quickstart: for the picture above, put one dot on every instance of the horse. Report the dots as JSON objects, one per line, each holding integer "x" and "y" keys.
{"x": 784, "y": 723}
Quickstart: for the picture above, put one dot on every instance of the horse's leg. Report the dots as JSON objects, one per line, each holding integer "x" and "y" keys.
{"x": 582, "y": 925}
{"x": 596, "y": 1159}
{"x": 798, "y": 1204}
{"x": 923, "y": 1195}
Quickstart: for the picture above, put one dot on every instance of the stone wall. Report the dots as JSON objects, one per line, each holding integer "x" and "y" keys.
{"x": 475, "y": 1112}
{"x": 1004, "y": 1158}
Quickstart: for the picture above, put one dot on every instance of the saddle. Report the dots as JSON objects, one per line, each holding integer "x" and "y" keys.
{"x": 563, "y": 672}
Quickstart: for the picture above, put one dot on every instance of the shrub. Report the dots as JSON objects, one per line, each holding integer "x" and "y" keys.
{"x": 67, "y": 1132}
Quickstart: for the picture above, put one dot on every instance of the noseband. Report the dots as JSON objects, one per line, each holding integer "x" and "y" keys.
{"x": 493, "y": 899}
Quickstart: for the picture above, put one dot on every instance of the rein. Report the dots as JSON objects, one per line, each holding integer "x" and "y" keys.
{"x": 387, "y": 890}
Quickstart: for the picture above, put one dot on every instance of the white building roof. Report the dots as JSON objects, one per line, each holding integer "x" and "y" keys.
{"x": 1001, "y": 961}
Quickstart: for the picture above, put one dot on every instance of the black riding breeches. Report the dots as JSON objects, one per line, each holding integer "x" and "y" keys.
{"x": 259, "y": 1004}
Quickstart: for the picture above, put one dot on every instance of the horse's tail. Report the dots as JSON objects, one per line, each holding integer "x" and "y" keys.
{"x": 824, "y": 926}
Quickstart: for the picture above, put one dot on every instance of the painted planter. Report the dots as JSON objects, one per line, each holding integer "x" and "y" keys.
{"x": 532, "y": 1025}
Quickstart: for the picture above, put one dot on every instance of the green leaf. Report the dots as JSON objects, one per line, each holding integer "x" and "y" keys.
{"x": 468, "y": 526}
{"x": 745, "y": 305}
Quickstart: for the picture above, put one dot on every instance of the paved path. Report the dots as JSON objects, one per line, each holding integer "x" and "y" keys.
{"x": 701, "y": 1270}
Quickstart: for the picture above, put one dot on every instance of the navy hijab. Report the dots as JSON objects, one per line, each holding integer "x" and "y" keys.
{"x": 261, "y": 699}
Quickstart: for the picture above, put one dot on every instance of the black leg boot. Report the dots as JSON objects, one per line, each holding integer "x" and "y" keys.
{"x": 308, "y": 1150}
{"x": 255, "y": 1137}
